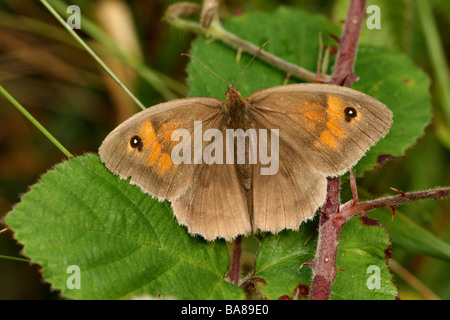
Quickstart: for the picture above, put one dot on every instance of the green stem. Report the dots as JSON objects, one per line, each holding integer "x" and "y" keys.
{"x": 35, "y": 122}
{"x": 14, "y": 258}
{"x": 92, "y": 53}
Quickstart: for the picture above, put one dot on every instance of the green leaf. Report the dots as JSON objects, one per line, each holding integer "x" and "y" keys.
{"x": 410, "y": 236}
{"x": 362, "y": 253}
{"x": 279, "y": 261}
{"x": 125, "y": 242}
{"x": 391, "y": 78}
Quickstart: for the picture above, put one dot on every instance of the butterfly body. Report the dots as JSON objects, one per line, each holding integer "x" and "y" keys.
{"x": 236, "y": 110}
{"x": 293, "y": 136}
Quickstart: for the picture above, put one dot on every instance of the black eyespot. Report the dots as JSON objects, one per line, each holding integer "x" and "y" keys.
{"x": 350, "y": 113}
{"x": 136, "y": 142}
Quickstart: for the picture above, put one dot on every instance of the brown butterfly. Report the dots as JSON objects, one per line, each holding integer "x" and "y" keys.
{"x": 321, "y": 131}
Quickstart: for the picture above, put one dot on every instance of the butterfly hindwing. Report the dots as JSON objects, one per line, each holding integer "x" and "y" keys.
{"x": 284, "y": 199}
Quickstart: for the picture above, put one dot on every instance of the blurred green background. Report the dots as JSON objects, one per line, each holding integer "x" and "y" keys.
{"x": 61, "y": 85}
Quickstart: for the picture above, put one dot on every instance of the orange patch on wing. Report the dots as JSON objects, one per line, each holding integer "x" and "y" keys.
{"x": 165, "y": 134}
{"x": 335, "y": 127}
{"x": 155, "y": 153}
{"x": 147, "y": 134}
{"x": 157, "y": 144}
{"x": 315, "y": 117}
{"x": 328, "y": 139}
{"x": 335, "y": 108}
{"x": 164, "y": 163}
{"x": 336, "y": 116}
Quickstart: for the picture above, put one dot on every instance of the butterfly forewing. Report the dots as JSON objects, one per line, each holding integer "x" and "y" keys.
{"x": 334, "y": 126}
{"x": 141, "y": 147}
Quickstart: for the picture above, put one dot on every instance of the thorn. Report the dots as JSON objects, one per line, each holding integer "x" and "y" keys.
{"x": 336, "y": 38}
{"x": 324, "y": 214}
{"x": 308, "y": 263}
{"x": 311, "y": 234}
{"x": 340, "y": 269}
{"x": 286, "y": 79}
{"x": 393, "y": 212}
{"x": 3, "y": 230}
{"x": 399, "y": 191}
{"x": 353, "y": 187}
{"x": 260, "y": 280}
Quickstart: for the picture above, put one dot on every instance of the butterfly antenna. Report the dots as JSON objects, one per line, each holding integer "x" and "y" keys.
{"x": 256, "y": 54}
{"x": 196, "y": 60}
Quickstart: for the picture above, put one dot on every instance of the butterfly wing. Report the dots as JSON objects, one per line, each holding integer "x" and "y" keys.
{"x": 207, "y": 198}
{"x": 288, "y": 197}
{"x": 323, "y": 130}
{"x": 140, "y": 148}
{"x": 334, "y": 125}
{"x": 214, "y": 204}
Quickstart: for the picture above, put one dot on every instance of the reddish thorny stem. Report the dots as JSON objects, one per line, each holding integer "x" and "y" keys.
{"x": 332, "y": 221}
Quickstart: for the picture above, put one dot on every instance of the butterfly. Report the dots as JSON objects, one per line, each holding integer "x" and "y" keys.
{"x": 318, "y": 131}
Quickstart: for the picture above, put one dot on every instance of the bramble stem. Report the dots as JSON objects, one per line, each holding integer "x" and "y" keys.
{"x": 324, "y": 264}
{"x": 212, "y": 28}
{"x": 331, "y": 222}
{"x": 350, "y": 209}
{"x": 235, "y": 264}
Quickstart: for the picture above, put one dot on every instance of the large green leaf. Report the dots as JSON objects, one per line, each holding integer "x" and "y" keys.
{"x": 125, "y": 242}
